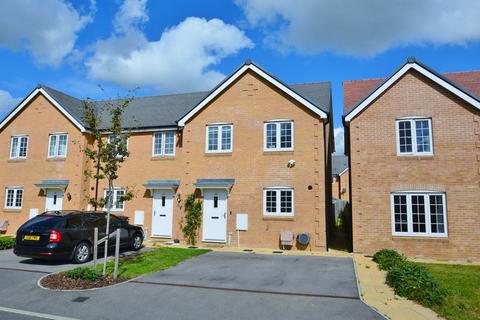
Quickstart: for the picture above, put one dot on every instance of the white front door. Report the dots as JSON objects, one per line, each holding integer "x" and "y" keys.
{"x": 54, "y": 200}
{"x": 214, "y": 215}
{"x": 162, "y": 213}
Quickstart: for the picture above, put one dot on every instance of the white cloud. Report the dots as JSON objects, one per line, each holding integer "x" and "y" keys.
{"x": 47, "y": 29}
{"x": 363, "y": 28}
{"x": 338, "y": 135}
{"x": 7, "y": 102}
{"x": 182, "y": 59}
{"x": 132, "y": 13}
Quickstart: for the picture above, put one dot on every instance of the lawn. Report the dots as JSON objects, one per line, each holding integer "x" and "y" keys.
{"x": 463, "y": 283}
{"x": 152, "y": 261}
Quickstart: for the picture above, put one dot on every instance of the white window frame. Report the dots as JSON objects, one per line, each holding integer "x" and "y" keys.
{"x": 278, "y": 213}
{"x": 278, "y": 135}
{"x": 413, "y": 128}
{"x": 162, "y": 147}
{"x": 57, "y": 146}
{"x": 115, "y": 195}
{"x": 219, "y": 138}
{"x": 428, "y": 226}
{"x": 17, "y": 151}
{"x": 15, "y": 195}
{"x": 109, "y": 138}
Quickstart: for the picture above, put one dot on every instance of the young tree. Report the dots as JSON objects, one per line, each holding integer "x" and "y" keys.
{"x": 107, "y": 151}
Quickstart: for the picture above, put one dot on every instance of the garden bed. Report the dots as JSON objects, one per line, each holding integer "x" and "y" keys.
{"x": 128, "y": 268}
{"x": 59, "y": 281}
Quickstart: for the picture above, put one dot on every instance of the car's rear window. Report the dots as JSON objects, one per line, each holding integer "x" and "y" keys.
{"x": 44, "y": 221}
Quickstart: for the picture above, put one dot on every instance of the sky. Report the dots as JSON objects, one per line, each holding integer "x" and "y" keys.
{"x": 158, "y": 47}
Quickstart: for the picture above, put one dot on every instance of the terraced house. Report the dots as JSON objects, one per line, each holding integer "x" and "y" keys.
{"x": 413, "y": 140}
{"x": 255, "y": 150}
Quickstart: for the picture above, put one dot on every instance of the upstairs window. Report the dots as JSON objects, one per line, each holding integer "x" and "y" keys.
{"x": 278, "y": 202}
{"x": 414, "y": 137}
{"x": 419, "y": 214}
{"x": 57, "y": 145}
{"x": 219, "y": 138}
{"x": 278, "y": 136}
{"x": 116, "y": 196}
{"x": 18, "y": 147}
{"x": 13, "y": 198}
{"x": 164, "y": 143}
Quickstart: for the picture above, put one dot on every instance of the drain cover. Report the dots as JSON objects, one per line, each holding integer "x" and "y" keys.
{"x": 80, "y": 299}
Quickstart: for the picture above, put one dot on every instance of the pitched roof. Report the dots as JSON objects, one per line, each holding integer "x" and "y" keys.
{"x": 166, "y": 110}
{"x": 339, "y": 164}
{"x": 311, "y": 103}
{"x": 357, "y": 91}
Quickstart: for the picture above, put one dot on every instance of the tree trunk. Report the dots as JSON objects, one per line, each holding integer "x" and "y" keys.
{"x": 109, "y": 207}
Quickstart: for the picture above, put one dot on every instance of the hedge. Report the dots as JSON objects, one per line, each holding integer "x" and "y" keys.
{"x": 6, "y": 243}
{"x": 409, "y": 279}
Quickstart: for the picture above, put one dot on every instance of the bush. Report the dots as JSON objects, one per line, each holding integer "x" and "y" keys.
{"x": 387, "y": 259}
{"x": 6, "y": 243}
{"x": 415, "y": 282}
{"x": 192, "y": 219}
{"x": 83, "y": 273}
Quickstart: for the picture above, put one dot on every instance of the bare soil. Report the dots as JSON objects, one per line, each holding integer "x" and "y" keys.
{"x": 59, "y": 281}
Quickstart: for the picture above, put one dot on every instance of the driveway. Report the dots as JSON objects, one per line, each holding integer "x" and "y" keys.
{"x": 212, "y": 286}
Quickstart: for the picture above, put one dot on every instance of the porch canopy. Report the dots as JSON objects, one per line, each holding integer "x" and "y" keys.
{"x": 52, "y": 184}
{"x": 215, "y": 184}
{"x": 162, "y": 184}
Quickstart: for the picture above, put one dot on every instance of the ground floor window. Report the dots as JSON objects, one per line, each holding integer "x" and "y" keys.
{"x": 13, "y": 198}
{"x": 117, "y": 197}
{"x": 419, "y": 214}
{"x": 278, "y": 201}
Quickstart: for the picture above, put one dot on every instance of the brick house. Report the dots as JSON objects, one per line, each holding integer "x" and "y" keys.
{"x": 413, "y": 140}
{"x": 340, "y": 177}
{"x": 252, "y": 145}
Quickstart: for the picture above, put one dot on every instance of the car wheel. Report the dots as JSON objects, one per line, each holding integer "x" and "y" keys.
{"x": 137, "y": 241}
{"x": 82, "y": 252}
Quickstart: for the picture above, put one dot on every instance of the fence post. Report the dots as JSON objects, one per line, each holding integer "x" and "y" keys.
{"x": 95, "y": 248}
{"x": 117, "y": 253}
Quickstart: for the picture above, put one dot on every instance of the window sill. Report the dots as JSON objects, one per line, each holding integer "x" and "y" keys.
{"x": 418, "y": 237}
{"x": 160, "y": 158}
{"x": 415, "y": 157}
{"x": 12, "y": 210}
{"x": 218, "y": 154}
{"x": 57, "y": 159}
{"x": 17, "y": 160}
{"x": 280, "y": 218}
{"x": 273, "y": 152}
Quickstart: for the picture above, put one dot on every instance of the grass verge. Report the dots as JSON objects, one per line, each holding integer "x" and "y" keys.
{"x": 463, "y": 284}
{"x": 152, "y": 261}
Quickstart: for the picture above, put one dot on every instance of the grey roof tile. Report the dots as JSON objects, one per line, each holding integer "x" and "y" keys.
{"x": 166, "y": 110}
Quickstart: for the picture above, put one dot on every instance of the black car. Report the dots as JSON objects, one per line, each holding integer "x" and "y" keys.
{"x": 70, "y": 234}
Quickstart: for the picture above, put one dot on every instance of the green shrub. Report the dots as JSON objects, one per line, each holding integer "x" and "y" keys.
{"x": 387, "y": 259}
{"x": 6, "y": 243}
{"x": 415, "y": 282}
{"x": 83, "y": 273}
{"x": 192, "y": 220}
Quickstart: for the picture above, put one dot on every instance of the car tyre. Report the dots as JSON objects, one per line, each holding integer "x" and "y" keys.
{"x": 137, "y": 241}
{"x": 82, "y": 253}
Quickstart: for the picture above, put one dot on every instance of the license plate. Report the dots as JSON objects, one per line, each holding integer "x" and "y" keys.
{"x": 31, "y": 238}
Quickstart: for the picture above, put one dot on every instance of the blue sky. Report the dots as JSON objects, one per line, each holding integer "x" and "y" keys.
{"x": 177, "y": 46}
